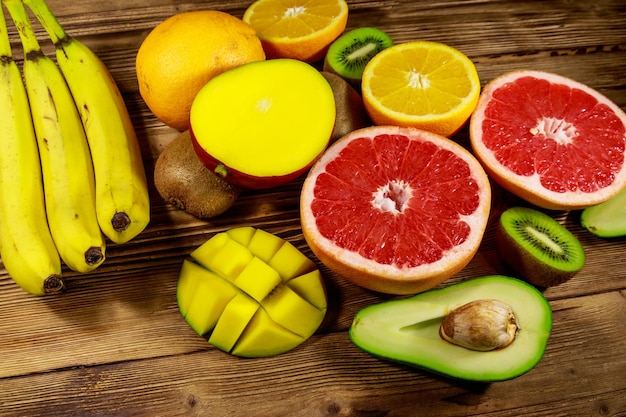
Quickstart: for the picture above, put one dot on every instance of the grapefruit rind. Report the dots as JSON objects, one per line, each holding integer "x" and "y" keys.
{"x": 530, "y": 188}
{"x": 391, "y": 279}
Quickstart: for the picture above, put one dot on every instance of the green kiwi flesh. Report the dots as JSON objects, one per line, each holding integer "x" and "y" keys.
{"x": 348, "y": 55}
{"x": 538, "y": 247}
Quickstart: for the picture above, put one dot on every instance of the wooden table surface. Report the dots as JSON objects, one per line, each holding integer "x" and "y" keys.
{"x": 115, "y": 344}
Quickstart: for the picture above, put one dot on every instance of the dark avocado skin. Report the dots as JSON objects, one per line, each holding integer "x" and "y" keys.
{"x": 407, "y": 331}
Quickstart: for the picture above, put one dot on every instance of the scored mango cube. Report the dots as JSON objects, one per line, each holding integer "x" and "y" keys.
{"x": 210, "y": 296}
{"x": 290, "y": 262}
{"x": 265, "y": 245}
{"x": 251, "y": 293}
{"x": 293, "y": 312}
{"x": 258, "y": 279}
{"x": 234, "y": 319}
{"x": 310, "y": 287}
{"x": 207, "y": 250}
{"x": 186, "y": 287}
{"x": 242, "y": 235}
{"x": 263, "y": 337}
{"x": 228, "y": 260}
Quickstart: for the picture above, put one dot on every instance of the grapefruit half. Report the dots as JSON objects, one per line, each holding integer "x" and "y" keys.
{"x": 550, "y": 140}
{"x": 394, "y": 209}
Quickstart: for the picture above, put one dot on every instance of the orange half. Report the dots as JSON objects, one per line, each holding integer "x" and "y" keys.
{"x": 297, "y": 29}
{"x": 427, "y": 85}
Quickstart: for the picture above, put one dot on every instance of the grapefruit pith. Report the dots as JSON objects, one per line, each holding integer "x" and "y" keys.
{"x": 550, "y": 140}
{"x": 396, "y": 210}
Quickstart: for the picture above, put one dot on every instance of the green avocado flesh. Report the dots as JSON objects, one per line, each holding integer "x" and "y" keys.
{"x": 407, "y": 330}
{"x": 607, "y": 219}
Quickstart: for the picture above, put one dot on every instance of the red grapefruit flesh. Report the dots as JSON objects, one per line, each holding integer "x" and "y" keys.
{"x": 550, "y": 140}
{"x": 395, "y": 210}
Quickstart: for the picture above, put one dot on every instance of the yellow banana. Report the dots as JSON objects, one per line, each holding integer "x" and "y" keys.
{"x": 64, "y": 153}
{"x": 122, "y": 199}
{"x": 26, "y": 246}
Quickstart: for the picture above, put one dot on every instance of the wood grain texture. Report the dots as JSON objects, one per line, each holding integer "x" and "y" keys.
{"x": 115, "y": 345}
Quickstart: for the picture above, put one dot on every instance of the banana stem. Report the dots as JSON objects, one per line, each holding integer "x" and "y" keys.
{"x": 48, "y": 20}
{"x": 24, "y": 27}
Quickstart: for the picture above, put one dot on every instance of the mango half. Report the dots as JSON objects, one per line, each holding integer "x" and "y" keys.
{"x": 251, "y": 293}
{"x": 407, "y": 330}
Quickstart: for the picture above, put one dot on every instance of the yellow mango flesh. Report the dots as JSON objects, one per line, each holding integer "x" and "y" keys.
{"x": 198, "y": 289}
{"x": 233, "y": 321}
{"x": 264, "y": 337}
{"x": 265, "y": 119}
{"x": 251, "y": 293}
{"x": 258, "y": 279}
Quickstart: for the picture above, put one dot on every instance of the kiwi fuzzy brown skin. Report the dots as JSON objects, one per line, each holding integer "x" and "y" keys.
{"x": 533, "y": 269}
{"x": 184, "y": 181}
{"x": 351, "y": 113}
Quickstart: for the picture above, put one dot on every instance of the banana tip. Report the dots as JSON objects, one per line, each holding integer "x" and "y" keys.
{"x": 53, "y": 284}
{"x": 120, "y": 221}
{"x": 94, "y": 255}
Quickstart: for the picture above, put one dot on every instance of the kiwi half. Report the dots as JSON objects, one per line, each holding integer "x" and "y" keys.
{"x": 348, "y": 55}
{"x": 538, "y": 247}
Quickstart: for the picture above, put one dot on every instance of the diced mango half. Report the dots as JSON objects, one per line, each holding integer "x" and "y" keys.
{"x": 253, "y": 293}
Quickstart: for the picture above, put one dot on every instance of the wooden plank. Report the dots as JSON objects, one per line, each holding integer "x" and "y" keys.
{"x": 328, "y": 375}
{"x": 128, "y": 306}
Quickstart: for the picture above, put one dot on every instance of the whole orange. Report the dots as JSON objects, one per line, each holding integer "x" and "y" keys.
{"x": 182, "y": 53}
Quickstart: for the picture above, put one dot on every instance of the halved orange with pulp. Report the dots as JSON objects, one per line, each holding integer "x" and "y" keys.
{"x": 297, "y": 29}
{"x": 427, "y": 85}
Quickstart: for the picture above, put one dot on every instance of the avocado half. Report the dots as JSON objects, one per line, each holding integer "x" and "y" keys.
{"x": 407, "y": 330}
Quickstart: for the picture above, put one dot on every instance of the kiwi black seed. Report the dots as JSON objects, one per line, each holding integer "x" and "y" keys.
{"x": 183, "y": 181}
{"x": 348, "y": 55}
{"x": 538, "y": 247}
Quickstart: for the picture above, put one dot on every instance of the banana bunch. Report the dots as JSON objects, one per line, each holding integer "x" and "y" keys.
{"x": 122, "y": 200}
{"x": 91, "y": 174}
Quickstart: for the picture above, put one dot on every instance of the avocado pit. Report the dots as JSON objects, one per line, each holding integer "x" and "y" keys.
{"x": 481, "y": 325}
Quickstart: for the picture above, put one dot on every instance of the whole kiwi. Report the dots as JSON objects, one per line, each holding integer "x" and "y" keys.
{"x": 183, "y": 181}
{"x": 351, "y": 113}
{"x": 538, "y": 247}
